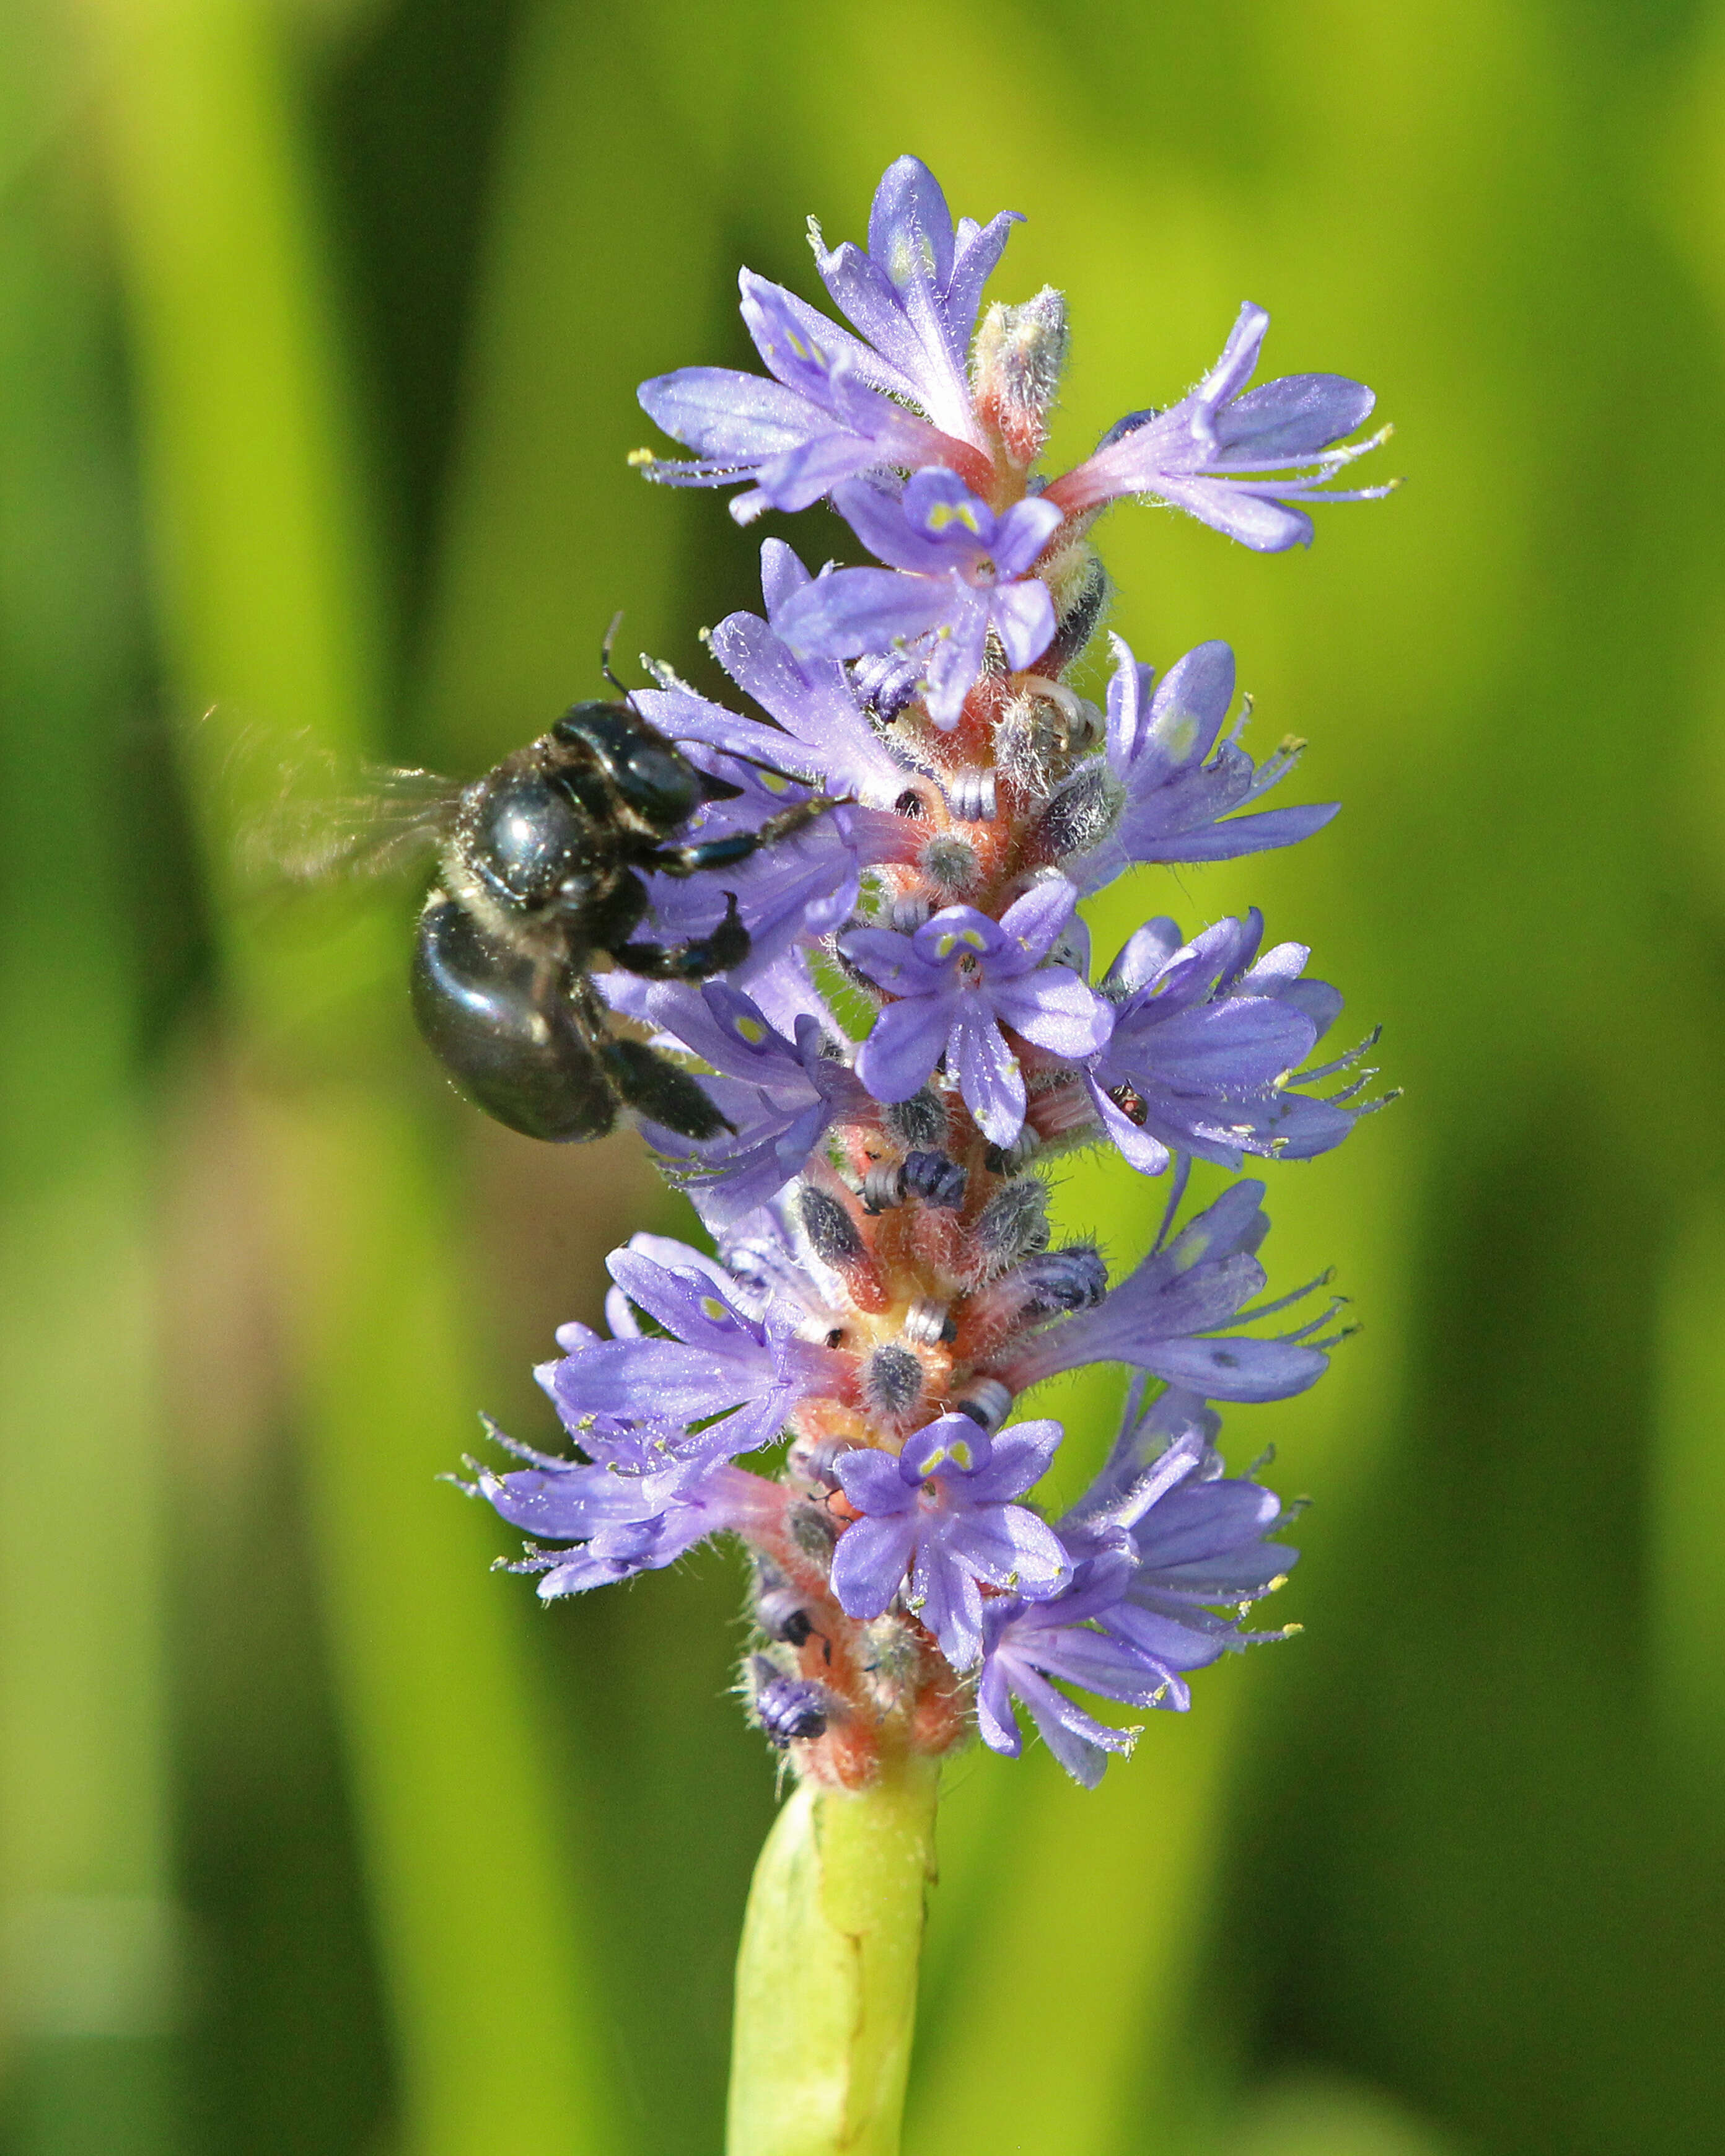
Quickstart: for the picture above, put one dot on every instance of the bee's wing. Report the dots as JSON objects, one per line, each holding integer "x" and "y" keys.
{"x": 381, "y": 822}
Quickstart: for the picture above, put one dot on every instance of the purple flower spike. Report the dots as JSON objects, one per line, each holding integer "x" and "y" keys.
{"x": 962, "y": 572}
{"x": 1173, "y": 782}
{"x": 959, "y": 979}
{"x": 1159, "y": 1317}
{"x": 1203, "y": 1045}
{"x": 1231, "y": 459}
{"x": 941, "y": 1512}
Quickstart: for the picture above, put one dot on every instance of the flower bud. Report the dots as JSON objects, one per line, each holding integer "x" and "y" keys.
{"x": 1016, "y": 367}
{"x": 1013, "y": 1224}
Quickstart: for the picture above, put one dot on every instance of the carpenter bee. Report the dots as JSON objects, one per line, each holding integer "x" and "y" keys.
{"x": 540, "y": 862}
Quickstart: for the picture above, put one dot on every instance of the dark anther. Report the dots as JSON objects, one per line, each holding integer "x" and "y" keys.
{"x": 831, "y": 1229}
{"x": 892, "y": 1380}
{"x": 1013, "y": 1223}
{"x": 920, "y": 1120}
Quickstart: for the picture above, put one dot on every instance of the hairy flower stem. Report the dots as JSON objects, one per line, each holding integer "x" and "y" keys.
{"x": 826, "y": 1976}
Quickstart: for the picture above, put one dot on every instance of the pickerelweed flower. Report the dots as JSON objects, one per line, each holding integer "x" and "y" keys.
{"x": 914, "y": 1032}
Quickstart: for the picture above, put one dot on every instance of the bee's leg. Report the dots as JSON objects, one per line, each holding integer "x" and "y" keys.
{"x": 697, "y": 960}
{"x": 640, "y": 1077}
{"x": 611, "y": 915}
{"x": 721, "y": 853}
{"x": 657, "y": 1089}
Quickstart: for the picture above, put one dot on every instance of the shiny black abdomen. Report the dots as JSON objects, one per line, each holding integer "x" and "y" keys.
{"x": 518, "y": 1054}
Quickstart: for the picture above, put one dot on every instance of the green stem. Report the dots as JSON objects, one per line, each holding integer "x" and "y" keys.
{"x": 826, "y": 1976}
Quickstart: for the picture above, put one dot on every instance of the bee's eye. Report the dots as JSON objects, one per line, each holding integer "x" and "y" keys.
{"x": 655, "y": 779}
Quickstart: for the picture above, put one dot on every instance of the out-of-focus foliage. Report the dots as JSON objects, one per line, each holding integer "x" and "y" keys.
{"x": 320, "y": 326}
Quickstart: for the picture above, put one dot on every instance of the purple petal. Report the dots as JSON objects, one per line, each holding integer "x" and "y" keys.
{"x": 1009, "y": 1546}
{"x": 1228, "y": 841}
{"x": 1021, "y": 535}
{"x": 1053, "y": 1008}
{"x": 1144, "y": 954}
{"x": 880, "y": 520}
{"x": 954, "y": 665}
{"x": 1185, "y": 716}
{"x": 726, "y": 414}
{"x": 909, "y": 966}
{"x": 1139, "y": 1150}
{"x": 1294, "y": 417}
{"x": 996, "y": 1723}
{"x": 906, "y": 1041}
{"x": 1032, "y": 923}
{"x": 1076, "y": 1739}
{"x": 987, "y": 1072}
{"x": 854, "y": 611}
{"x": 1239, "y": 357}
{"x": 1236, "y": 511}
{"x": 1023, "y": 615}
{"x": 876, "y": 1481}
{"x": 869, "y": 1563}
{"x": 1237, "y": 1369}
{"x": 1020, "y": 1457}
{"x": 953, "y": 1440}
{"x": 939, "y": 506}
{"x": 946, "y": 1599}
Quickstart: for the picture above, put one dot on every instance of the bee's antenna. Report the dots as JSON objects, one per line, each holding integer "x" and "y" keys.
{"x": 627, "y": 694}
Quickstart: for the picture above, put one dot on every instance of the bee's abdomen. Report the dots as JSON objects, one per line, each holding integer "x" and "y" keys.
{"x": 506, "y": 1033}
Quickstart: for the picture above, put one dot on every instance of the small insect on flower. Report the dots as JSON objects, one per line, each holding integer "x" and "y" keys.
{"x": 541, "y": 873}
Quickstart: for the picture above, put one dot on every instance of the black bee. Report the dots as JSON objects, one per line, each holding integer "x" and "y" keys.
{"x": 541, "y": 862}
{"x": 540, "y": 875}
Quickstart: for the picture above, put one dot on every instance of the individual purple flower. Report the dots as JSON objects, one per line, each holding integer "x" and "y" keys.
{"x": 1162, "y": 1315}
{"x": 959, "y": 570}
{"x": 820, "y": 420}
{"x": 1233, "y": 460}
{"x": 1026, "y": 1644}
{"x": 839, "y": 405}
{"x": 639, "y": 1501}
{"x": 941, "y": 1512}
{"x": 1167, "y": 783}
{"x": 779, "y": 1096}
{"x": 916, "y": 293}
{"x": 1165, "y": 1544}
{"x": 723, "y": 1371}
{"x": 823, "y": 735}
{"x": 1204, "y": 1043}
{"x": 958, "y": 979}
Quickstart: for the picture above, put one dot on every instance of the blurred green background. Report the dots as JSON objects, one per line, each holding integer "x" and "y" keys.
{"x": 320, "y": 323}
